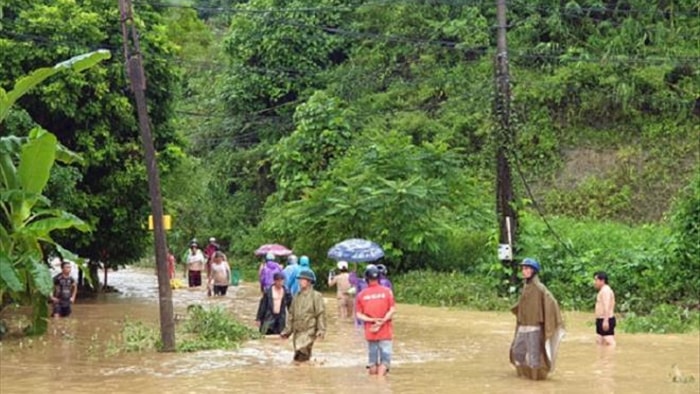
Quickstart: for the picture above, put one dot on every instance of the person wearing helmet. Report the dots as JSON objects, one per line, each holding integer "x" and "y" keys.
{"x": 290, "y": 273}
{"x": 342, "y": 282}
{"x": 383, "y": 280}
{"x": 195, "y": 264}
{"x": 306, "y": 320}
{"x": 375, "y": 307}
{"x": 362, "y": 283}
{"x": 539, "y": 326}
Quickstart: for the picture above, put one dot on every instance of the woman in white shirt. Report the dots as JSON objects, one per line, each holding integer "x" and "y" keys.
{"x": 195, "y": 264}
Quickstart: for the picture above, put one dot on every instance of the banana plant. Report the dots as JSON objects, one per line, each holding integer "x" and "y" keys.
{"x": 25, "y": 213}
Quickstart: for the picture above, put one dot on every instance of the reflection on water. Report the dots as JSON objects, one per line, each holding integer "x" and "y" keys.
{"x": 435, "y": 349}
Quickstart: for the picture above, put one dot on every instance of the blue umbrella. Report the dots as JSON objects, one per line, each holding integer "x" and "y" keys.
{"x": 356, "y": 250}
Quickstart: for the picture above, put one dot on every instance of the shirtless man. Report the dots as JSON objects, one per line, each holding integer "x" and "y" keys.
{"x": 604, "y": 310}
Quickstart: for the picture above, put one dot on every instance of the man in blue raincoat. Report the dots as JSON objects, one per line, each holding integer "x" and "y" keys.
{"x": 304, "y": 264}
{"x": 290, "y": 273}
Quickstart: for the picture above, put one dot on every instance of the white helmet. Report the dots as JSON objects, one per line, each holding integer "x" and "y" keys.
{"x": 342, "y": 265}
{"x": 212, "y": 239}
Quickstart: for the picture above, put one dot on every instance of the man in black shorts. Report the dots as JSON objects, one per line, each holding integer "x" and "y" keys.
{"x": 604, "y": 310}
{"x": 64, "y": 291}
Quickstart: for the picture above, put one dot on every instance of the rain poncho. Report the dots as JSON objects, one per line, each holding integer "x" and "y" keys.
{"x": 290, "y": 277}
{"x": 384, "y": 281}
{"x": 271, "y": 322}
{"x": 306, "y": 321}
{"x": 267, "y": 273}
{"x": 538, "y": 331}
{"x": 293, "y": 286}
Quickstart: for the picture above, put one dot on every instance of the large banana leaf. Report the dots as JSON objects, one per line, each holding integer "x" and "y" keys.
{"x": 42, "y": 277}
{"x": 63, "y": 154}
{"x": 59, "y": 221}
{"x": 35, "y": 163}
{"x": 8, "y": 274}
{"x": 24, "y": 84}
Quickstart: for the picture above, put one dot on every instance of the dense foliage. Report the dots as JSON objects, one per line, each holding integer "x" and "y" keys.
{"x": 202, "y": 329}
{"x": 312, "y": 121}
{"x": 27, "y": 219}
{"x": 92, "y": 114}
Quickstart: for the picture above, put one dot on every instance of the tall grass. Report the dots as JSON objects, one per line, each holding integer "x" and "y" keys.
{"x": 451, "y": 289}
{"x": 203, "y": 329}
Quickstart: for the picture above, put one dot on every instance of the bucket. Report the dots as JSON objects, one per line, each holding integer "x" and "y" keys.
{"x": 235, "y": 277}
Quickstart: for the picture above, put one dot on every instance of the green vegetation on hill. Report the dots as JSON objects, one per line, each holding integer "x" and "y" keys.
{"x": 305, "y": 122}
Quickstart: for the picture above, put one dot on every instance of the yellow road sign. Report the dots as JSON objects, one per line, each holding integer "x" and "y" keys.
{"x": 167, "y": 222}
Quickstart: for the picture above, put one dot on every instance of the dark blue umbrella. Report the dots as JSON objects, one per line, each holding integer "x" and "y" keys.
{"x": 355, "y": 251}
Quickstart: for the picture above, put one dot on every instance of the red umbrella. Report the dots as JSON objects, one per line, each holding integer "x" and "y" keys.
{"x": 276, "y": 249}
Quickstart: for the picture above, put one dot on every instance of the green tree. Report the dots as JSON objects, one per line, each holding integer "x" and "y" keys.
{"x": 92, "y": 114}
{"x": 321, "y": 135}
{"x": 408, "y": 198}
{"x": 685, "y": 249}
{"x": 26, "y": 214}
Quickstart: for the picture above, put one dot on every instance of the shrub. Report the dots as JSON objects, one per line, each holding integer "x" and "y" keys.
{"x": 636, "y": 259}
{"x": 204, "y": 329}
{"x": 212, "y": 328}
{"x": 138, "y": 336}
{"x": 663, "y": 319}
{"x": 448, "y": 289}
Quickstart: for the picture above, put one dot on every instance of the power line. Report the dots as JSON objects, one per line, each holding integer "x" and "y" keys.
{"x": 539, "y": 210}
{"x": 514, "y": 55}
{"x": 378, "y": 37}
{"x": 573, "y": 11}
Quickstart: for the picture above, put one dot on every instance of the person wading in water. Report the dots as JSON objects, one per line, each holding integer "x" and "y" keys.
{"x": 272, "y": 310}
{"x": 539, "y": 327}
{"x": 306, "y": 320}
{"x": 604, "y": 310}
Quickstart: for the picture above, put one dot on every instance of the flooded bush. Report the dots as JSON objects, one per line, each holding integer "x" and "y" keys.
{"x": 211, "y": 328}
{"x": 203, "y": 329}
{"x": 452, "y": 289}
{"x": 137, "y": 336}
{"x": 664, "y": 319}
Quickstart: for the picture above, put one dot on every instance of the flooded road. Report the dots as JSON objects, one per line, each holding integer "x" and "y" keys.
{"x": 435, "y": 350}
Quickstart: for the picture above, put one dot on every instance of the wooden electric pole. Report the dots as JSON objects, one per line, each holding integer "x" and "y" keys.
{"x": 507, "y": 217}
{"x": 137, "y": 77}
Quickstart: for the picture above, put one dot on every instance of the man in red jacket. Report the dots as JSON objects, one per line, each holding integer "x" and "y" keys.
{"x": 375, "y": 307}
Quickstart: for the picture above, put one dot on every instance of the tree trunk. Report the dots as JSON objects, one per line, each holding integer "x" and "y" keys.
{"x": 104, "y": 283}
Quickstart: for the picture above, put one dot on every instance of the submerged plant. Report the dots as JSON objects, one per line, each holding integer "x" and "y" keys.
{"x": 203, "y": 329}
{"x": 212, "y": 328}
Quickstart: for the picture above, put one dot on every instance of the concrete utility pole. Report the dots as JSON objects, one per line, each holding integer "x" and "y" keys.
{"x": 507, "y": 217}
{"x": 134, "y": 70}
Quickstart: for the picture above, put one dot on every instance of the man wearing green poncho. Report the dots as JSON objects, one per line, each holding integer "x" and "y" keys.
{"x": 539, "y": 328}
{"x": 306, "y": 319}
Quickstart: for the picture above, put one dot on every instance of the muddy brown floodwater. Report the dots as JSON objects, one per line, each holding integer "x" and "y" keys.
{"x": 435, "y": 350}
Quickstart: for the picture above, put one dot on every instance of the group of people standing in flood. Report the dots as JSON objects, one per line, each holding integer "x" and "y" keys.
{"x": 213, "y": 261}
{"x": 290, "y": 307}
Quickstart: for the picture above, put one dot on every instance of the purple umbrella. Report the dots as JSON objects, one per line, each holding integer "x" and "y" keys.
{"x": 276, "y": 249}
